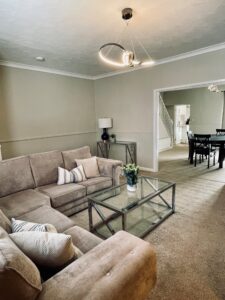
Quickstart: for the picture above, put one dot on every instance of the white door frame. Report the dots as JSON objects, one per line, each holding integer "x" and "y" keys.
{"x": 156, "y": 93}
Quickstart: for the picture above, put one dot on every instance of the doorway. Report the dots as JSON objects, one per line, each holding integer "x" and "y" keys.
{"x": 157, "y": 95}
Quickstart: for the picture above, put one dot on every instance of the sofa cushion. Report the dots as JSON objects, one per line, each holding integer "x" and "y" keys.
{"x": 15, "y": 175}
{"x": 90, "y": 166}
{"x": 48, "y": 214}
{"x": 53, "y": 250}
{"x": 83, "y": 239}
{"x": 45, "y": 166}
{"x": 62, "y": 194}
{"x": 20, "y": 226}
{"x": 69, "y": 156}
{"x": 19, "y": 203}
{"x": 73, "y": 209}
{"x": 19, "y": 277}
{"x": 5, "y": 222}
{"x": 97, "y": 184}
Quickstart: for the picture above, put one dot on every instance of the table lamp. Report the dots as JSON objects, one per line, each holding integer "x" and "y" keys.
{"x": 105, "y": 123}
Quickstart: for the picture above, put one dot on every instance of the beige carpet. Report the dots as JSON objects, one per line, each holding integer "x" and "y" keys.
{"x": 190, "y": 244}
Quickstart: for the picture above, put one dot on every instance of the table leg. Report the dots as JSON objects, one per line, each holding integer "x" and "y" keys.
{"x": 173, "y": 197}
{"x": 221, "y": 156}
{"x": 90, "y": 216}
{"x": 124, "y": 221}
{"x": 191, "y": 152}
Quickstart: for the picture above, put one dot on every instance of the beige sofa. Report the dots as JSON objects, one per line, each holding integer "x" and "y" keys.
{"x": 32, "y": 181}
{"x": 120, "y": 268}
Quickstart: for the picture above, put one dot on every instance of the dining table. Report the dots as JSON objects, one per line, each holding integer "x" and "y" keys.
{"x": 214, "y": 140}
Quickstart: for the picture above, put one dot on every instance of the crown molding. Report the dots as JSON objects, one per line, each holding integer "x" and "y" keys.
{"x": 166, "y": 60}
{"x": 191, "y": 85}
{"x": 43, "y": 69}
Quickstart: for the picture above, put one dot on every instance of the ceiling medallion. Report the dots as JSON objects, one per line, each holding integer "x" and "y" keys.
{"x": 127, "y": 57}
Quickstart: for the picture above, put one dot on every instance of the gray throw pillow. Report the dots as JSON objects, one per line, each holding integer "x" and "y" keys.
{"x": 19, "y": 225}
{"x": 45, "y": 248}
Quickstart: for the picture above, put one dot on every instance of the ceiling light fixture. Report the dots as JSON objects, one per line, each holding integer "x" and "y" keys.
{"x": 214, "y": 88}
{"x": 127, "y": 57}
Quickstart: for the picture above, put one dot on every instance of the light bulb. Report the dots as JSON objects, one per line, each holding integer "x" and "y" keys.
{"x": 128, "y": 58}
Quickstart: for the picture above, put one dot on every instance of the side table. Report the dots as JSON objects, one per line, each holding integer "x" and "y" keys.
{"x": 103, "y": 150}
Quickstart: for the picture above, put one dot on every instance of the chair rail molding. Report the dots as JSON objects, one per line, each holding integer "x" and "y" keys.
{"x": 45, "y": 136}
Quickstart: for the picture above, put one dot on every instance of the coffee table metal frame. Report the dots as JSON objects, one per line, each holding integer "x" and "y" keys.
{"x": 94, "y": 203}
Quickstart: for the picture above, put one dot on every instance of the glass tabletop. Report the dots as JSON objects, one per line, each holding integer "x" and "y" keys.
{"x": 120, "y": 199}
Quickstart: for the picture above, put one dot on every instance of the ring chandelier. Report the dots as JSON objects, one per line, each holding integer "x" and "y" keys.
{"x": 127, "y": 57}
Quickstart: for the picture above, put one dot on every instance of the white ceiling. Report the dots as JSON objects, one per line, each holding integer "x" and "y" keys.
{"x": 68, "y": 33}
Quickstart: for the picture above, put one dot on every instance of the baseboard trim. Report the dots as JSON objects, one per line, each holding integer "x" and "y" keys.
{"x": 147, "y": 169}
{"x": 165, "y": 149}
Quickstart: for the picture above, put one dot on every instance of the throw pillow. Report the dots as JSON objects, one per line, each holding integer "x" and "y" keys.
{"x": 46, "y": 249}
{"x": 90, "y": 166}
{"x": 19, "y": 225}
{"x": 78, "y": 252}
{"x": 78, "y": 174}
{"x": 5, "y": 222}
{"x": 75, "y": 175}
{"x": 19, "y": 277}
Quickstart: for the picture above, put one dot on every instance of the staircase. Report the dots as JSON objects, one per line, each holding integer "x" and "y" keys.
{"x": 167, "y": 121}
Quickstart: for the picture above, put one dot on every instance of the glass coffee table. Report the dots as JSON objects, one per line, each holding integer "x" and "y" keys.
{"x": 137, "y": 212}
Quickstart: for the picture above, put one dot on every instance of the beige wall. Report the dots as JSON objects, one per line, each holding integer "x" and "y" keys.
{"x": 206, "y": 108}
{"x": 128, "y": 98}
{"x": 41, "y": 112}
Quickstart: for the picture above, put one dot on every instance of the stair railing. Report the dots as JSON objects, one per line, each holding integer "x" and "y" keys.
{"x": 166, "y": 119}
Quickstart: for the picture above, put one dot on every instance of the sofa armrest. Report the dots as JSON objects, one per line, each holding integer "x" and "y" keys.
{"x": 120, "y": 268}
{"x": 111, "y": 168}
{"x": 83, "y": 239}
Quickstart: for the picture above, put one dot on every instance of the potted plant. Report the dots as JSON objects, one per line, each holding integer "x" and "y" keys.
{"x": 113, "y": 136}
{"x": 131, "y": 172}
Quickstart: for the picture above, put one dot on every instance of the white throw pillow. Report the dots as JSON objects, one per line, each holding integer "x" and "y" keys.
{"x": 75, "y": 175}
{"x": 78, "y": 173}
{"x": 19, "y": 226}
{"x": 90, "y": 166}
{"x": 46, "y": 249}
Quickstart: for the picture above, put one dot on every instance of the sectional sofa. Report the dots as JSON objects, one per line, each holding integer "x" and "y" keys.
{"x": 28, "y": 182}
{"x": 122, "y": 267}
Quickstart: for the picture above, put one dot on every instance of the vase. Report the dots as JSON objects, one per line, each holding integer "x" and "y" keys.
{"x": 105, "y": 135}
{"x": 132, "y": 188}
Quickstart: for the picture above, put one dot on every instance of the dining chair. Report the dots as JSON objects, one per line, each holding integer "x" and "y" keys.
{"x": 189, "y": 136}
{"x": 220, "y": 131}
{"x": 203, "y": 148}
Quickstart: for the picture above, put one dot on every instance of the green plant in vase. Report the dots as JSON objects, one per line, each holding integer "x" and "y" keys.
{"x": 131, "y": 172}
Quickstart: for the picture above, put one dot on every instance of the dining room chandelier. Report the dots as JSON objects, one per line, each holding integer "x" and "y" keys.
{"x": 125, "y": 56}
{"x": 214, "y": 88}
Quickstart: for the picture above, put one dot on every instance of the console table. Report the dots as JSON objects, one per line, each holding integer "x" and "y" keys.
{"x": 103, "y": 149}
